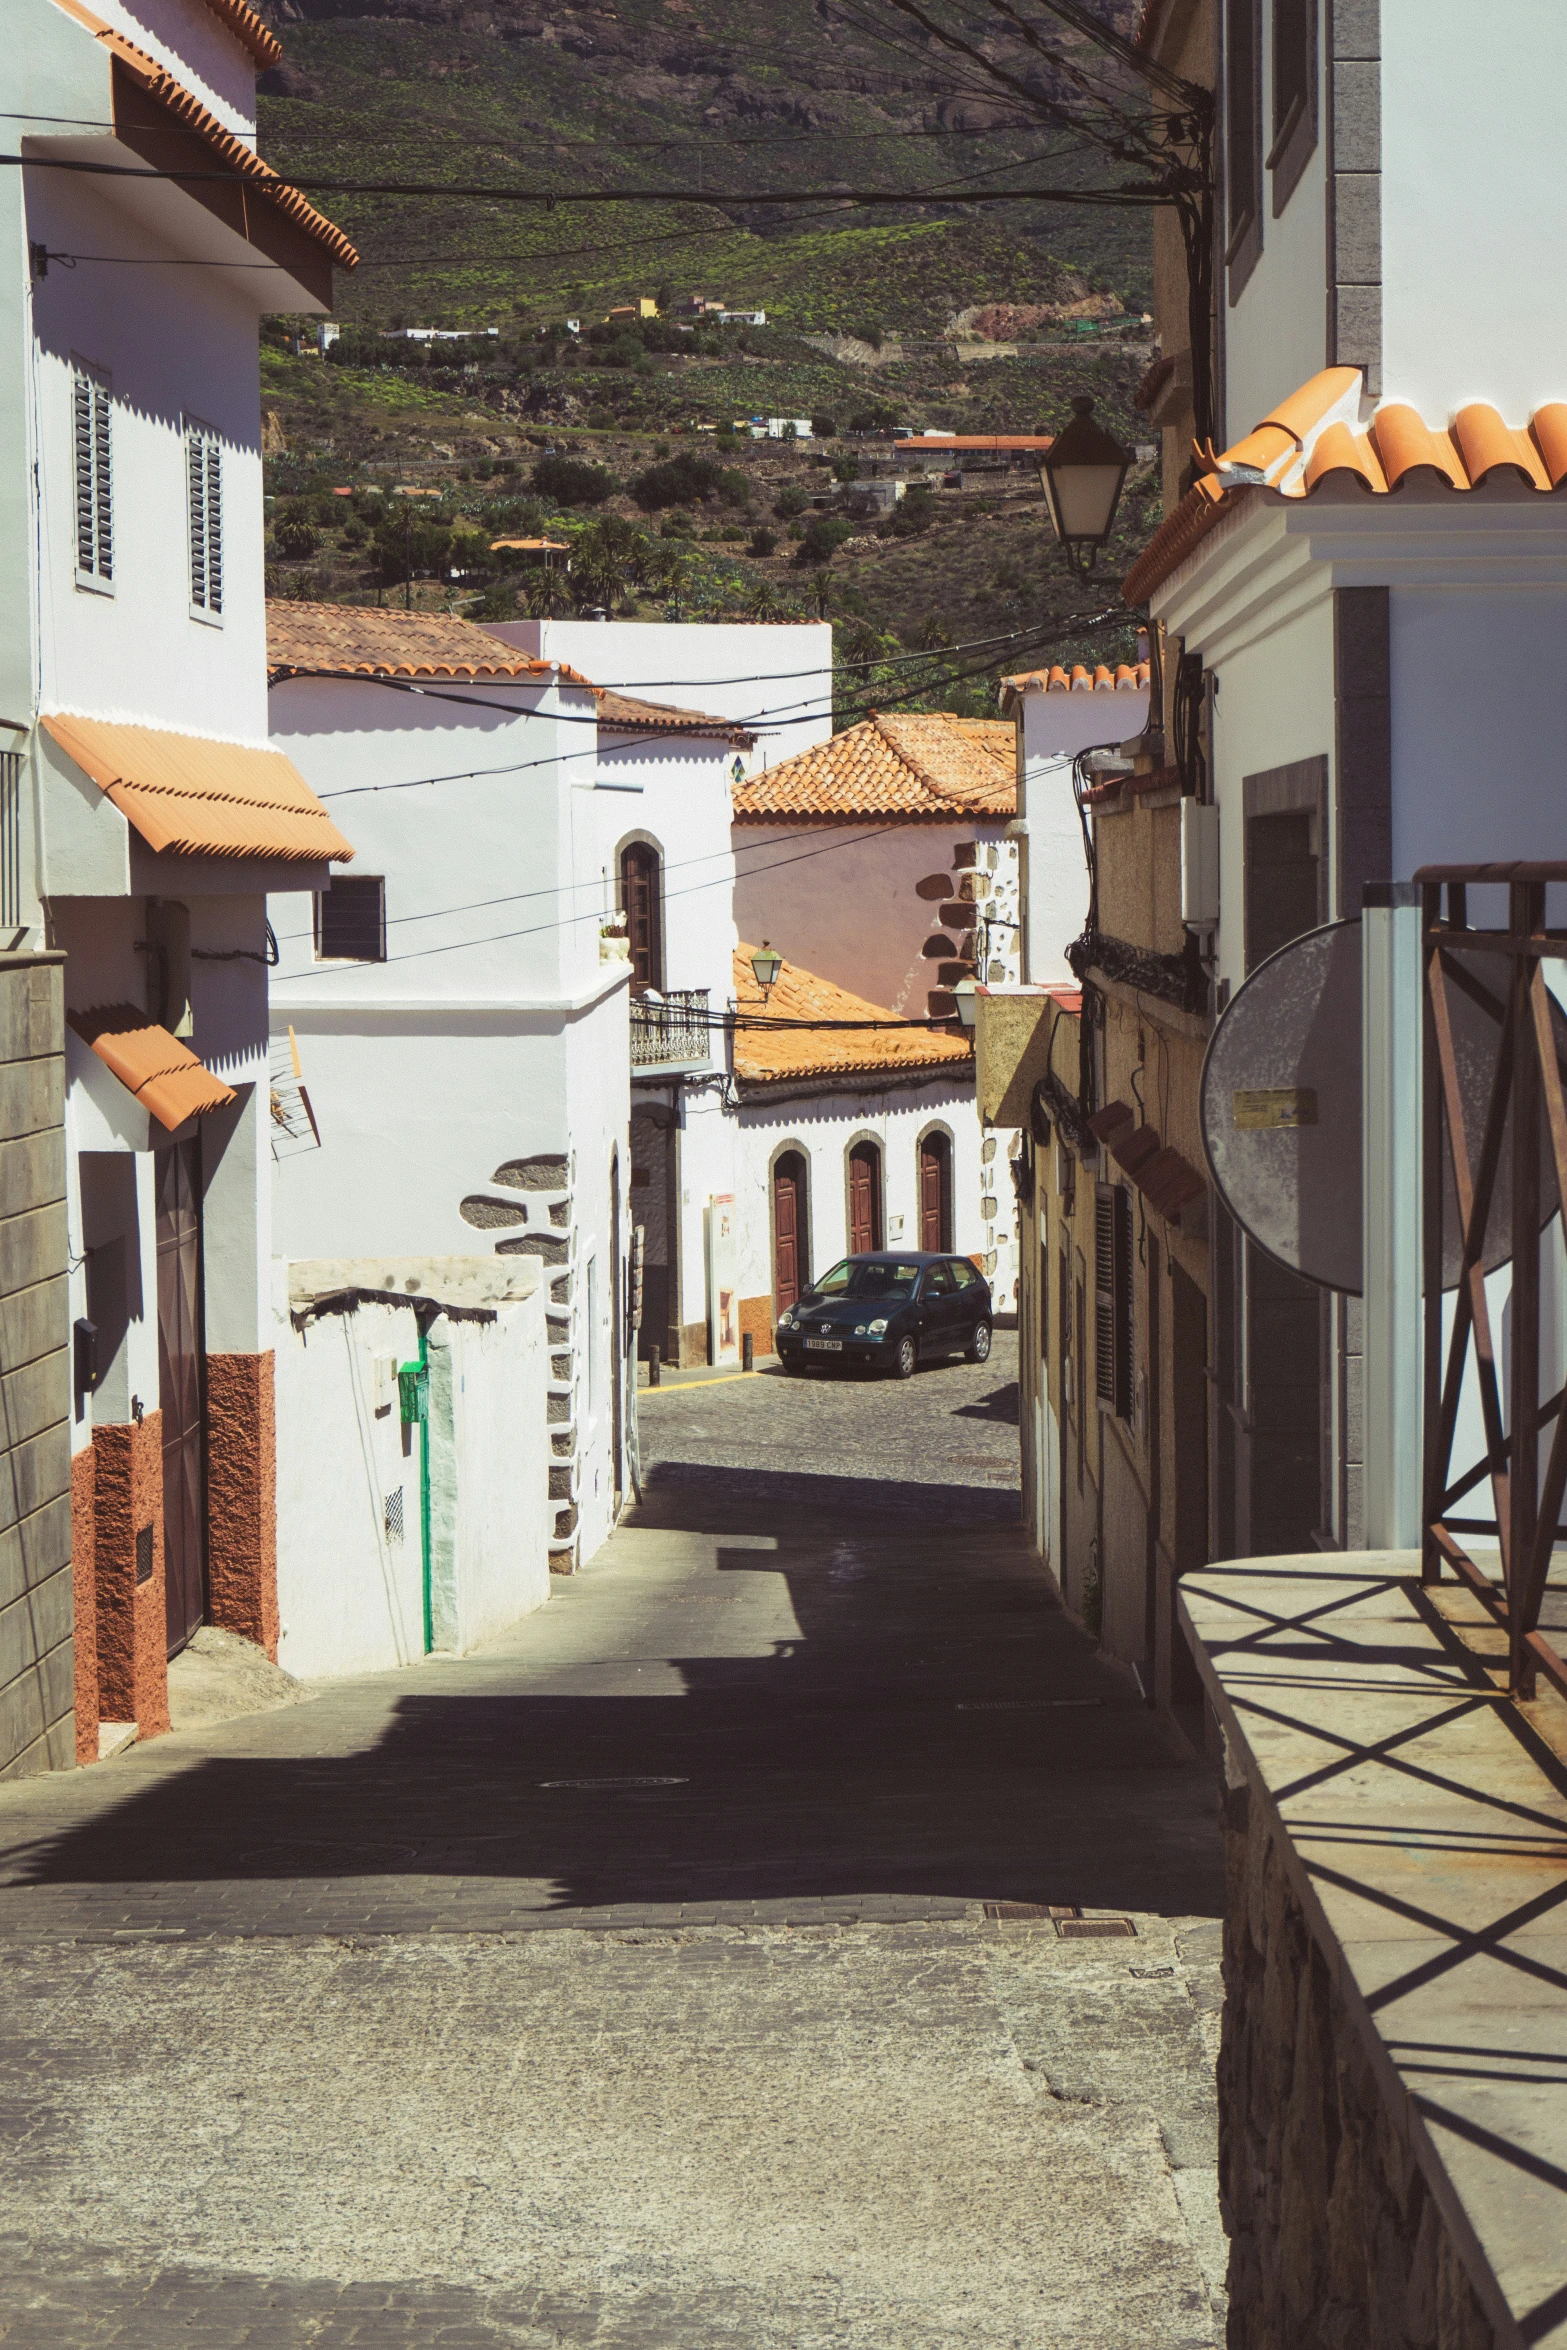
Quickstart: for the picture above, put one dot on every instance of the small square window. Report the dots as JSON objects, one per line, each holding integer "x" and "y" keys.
{"x": 351, "y": 920}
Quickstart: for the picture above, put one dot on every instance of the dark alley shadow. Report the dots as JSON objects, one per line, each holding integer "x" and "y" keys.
{"x": 938, "y": 1727}
{"x": 1000, "y": 1407}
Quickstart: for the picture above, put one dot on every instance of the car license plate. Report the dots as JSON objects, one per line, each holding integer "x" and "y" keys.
{"x": 826, "y": 1346}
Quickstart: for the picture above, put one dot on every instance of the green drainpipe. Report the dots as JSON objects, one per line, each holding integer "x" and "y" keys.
{"x": 413, "y": 1385}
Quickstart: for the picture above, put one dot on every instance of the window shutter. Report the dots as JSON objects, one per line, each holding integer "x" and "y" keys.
{"x": 94, "y": 495}
{"x": 1113, "y": 1298}
{"x": 204, "y": 493}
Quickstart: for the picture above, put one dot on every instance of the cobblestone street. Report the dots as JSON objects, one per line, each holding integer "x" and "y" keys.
{"x": 654, "y": 1978}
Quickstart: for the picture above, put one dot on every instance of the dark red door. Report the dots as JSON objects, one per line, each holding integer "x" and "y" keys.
{"x": 639, "y": 887}
{"x": 864, "y": 1199}
{"x": 179, "y": 1388}
{"x": 786, "y": 1231}
{"x": 936, "y": 1194}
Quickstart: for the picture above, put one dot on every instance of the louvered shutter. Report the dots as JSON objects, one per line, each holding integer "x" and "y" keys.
{"x": 1113, "y": 1298}
{"x": 94, "y": 489}
{"x": 204, "y": 500}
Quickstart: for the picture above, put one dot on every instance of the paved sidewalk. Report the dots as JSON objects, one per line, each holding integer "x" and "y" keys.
{"x": 631, "y": 1984}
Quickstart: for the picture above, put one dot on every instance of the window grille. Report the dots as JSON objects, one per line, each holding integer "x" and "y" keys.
{"x": 392, "y": 1510}
{"x": 144, "y": 1554}
{"x": 204, "y": 498}
{"x": 1113, "y": 1298}
{"x": 10, "y": 840}
{"x": 351, "y": 920}
{"x": 94, "y": 486}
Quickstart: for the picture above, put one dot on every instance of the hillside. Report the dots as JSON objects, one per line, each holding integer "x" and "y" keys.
{"x": 875, "y": 317}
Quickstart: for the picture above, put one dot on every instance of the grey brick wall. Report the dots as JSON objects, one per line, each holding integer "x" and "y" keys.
{"x": 37, "y": 1724}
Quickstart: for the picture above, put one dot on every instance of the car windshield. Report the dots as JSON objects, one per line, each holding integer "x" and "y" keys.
{"x": 868, "y": 1277}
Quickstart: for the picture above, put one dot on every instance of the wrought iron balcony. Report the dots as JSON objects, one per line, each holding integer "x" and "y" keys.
{"x": 670, "y": 1028}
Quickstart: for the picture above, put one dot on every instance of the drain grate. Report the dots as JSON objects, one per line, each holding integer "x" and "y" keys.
{"x": 597, "y": 1783}
{"x": 1004, "y": 1910}
{"x": 1096, "y": 1929}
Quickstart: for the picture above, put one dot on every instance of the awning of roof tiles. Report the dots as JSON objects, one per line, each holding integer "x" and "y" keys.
{"x": 163, "y": 1074}
{"x": 195, "y": 797}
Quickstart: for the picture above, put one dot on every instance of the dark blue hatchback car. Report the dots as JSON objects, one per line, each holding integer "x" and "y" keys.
{"x": 890, "y": 1309}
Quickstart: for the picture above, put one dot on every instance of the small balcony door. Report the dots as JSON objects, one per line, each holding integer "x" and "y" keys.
{"x": 641, "y": 893}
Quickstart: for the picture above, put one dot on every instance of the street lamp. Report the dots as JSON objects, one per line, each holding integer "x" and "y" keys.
{"x": 766, "y": 964}
{"x": 1081, "y": 476}
{"x": 965, "y": 996}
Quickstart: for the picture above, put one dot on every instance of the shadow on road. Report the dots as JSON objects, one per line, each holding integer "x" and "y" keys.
{"x": 931, "y": 1725}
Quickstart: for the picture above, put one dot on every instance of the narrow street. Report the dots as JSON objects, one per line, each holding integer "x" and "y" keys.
{"x": 653, "y": 1979}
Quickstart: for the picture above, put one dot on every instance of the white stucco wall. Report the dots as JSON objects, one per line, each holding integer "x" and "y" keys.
{"x": 771, "y": 675}
{"x": 350, "y": 1599}
{"x": 1275, "y": 336}
{"x": 674, "y": 794}
{"x": 1469, "y": 157}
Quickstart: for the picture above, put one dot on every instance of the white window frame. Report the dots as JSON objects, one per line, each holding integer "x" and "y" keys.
{"x": 92, "y": 485}
{"x": 203, "y": 458}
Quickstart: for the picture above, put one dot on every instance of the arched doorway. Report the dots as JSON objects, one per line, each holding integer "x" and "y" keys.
{"x": 641, "y": 894}
{"x": 864, "y": 1199}
{"x": 790, "y": 1237}
{"x": 936, "y": 1192}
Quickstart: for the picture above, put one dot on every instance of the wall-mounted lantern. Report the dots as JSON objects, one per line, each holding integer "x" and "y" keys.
{"x": 1081, "y": 476}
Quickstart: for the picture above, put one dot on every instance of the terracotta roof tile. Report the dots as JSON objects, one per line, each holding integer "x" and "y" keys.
{"x": 765, "y": 1056}
{"x": 248, "y": 29}
{"x": 160, "y": 86}
{"x": 1319, "y": 434}
{"x": 913, "y": 767}
{"x": 933, "y": 441}
{"x": 351, "y": 640}
{"x": 1126, "y": 677}
{"x": 163, "y": 1074}
{"x": 628, "y": 713}
{"x": 198, "y": 797}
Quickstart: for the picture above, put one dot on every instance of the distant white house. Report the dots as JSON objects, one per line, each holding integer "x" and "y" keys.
{"x": 460, "y": 1023}
{"x": 143, "y": 820}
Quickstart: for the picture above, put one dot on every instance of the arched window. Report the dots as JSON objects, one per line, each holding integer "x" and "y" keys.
{"x": 935, "y": 1173}
{"x": 791, "y": 1236}
{"x": 865, "y": 1225}
{"x": 641, "y": 895}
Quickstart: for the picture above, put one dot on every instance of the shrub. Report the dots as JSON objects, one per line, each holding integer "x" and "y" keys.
{"x": 690, "y": 479}
{"x": 763, "y": 540}
{"x": 296, "y": 537}
{"x": 879, "y": 418}
{"x": 790, "y": 502}
{"x": 822, "y": 537}
{"x": 846, "y": 470}
{"x": 572, "y": 481}
{"x": 825, "y": 427}
{"x": 913, "y": 513}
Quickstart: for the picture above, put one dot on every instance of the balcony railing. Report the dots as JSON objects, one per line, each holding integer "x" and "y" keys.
{"x": 668, "y": 1028}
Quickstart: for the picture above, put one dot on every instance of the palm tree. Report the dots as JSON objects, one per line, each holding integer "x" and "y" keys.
{"x": 824, "y": 591}
{"x": 760, "y": 601}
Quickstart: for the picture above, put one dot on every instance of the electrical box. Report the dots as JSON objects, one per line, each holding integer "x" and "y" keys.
{"x": 413, "y": 1386}
{"x": 383, "y": 1384}
{"x": 1199, "y": 865}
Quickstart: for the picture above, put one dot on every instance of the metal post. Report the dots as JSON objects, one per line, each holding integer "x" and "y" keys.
{"x": 747, "y": 1351}
{"x": 1394, "y": 1357}
{"x": 1526, "y": 912}
{"x": 653, "y": 1366}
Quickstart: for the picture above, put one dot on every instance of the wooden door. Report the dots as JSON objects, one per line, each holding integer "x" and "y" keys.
{"x": 179, "y": 1388}
{"x": 786, "y": 1231}
{"x": 640, "y": 892}
{"x": 935, "y": 1194}
{"x": 864, "y": 1199}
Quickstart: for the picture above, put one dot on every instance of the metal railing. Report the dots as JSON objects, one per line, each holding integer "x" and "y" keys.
{"x": 1518, "y": 1077}
{"x": 672, "y": 1027}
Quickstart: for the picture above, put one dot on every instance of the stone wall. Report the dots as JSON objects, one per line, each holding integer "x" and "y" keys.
{"x": 1335, "y": 2242}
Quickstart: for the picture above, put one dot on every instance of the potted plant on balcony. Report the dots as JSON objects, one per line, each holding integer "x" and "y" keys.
{"x": 614, "y": 942}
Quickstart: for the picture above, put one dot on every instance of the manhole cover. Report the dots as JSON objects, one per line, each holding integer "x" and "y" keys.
{"x": 1027, "y": 1909}
{"x": 601, "y": 1783}
{"x": 1095, "y": 1929}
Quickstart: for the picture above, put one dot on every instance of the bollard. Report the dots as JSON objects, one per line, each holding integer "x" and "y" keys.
{"x": 747, "y": 1352}
{"x": 652, "y": 1366}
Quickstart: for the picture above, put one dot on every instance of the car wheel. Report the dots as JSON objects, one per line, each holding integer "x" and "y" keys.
{"x": 904, "y": 1357}
{"x": 979, "y": 1344}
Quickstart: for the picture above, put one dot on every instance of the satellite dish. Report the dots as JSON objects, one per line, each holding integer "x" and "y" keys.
{"x": 1280, "y": 1106}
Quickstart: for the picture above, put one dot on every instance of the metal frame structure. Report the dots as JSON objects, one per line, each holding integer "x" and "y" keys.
{"x": 1527, "y": 1086}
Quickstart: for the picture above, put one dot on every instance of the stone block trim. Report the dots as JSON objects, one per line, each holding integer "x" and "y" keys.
{"x": 85, "y": 1589}
{"x": 242, "y": 1497}
{"x": 133, "y": 1632}
{"x": 1335, "y": 2241}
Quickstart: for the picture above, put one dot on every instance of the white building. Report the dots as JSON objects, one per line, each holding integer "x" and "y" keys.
{"x": 461, "y": 1027}
{"x": 1059, "y": 713}
{"x": 772, "y": 677}
{"x": 145, "y": 817}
